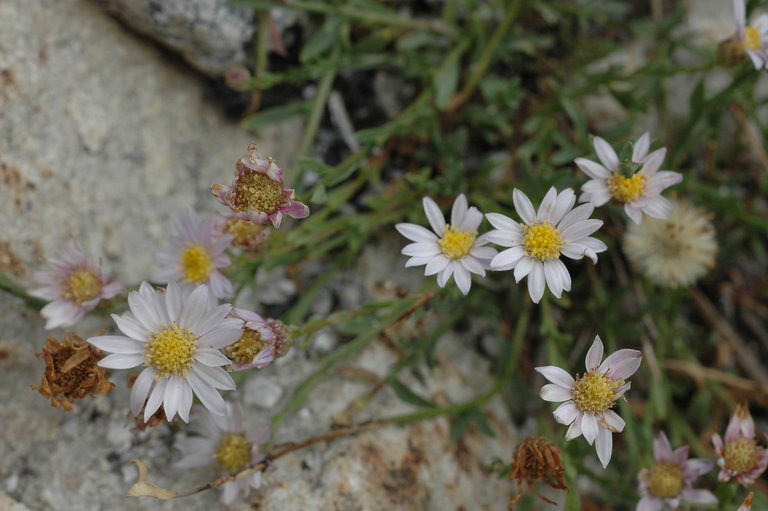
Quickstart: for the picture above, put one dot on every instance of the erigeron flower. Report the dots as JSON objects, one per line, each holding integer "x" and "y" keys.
{"x": 177, "y": 334}
{"x": 673, "y": 252}
{"x": 670, "y": 479}
{"x": 256, "y": 346}
{"x": 452, "y": 249}
{"x": 587, "y": 400}
{"x": 555, "y": 229}
{"x": 753, "y": 39}
{"x": 74, "y": 286}
{"x": 197, "y": 255}
{"x": 637, "y": 183}
{"x": 738, "y": 454}
{"x": 258, "y": 193}
{"x": 224, "y": 441}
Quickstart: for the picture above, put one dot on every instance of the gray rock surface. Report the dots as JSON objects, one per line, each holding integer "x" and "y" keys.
{"x": 211, "y": 35}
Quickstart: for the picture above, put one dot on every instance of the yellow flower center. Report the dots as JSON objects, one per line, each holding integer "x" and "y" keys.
{"x": 626, "y": 189}
{"x": 196, "y": 263}
{"x": 234, "y": 452}
{"x": 171, "y": 351}
{"x": 665, "y": 480}
{"x": 257, "y": 191}
{"x": 456, "y": 243}
{"x": 246, "y": 233}
{"x": 542, "y": 241}
{"x": 741, "y": 455}
{"x": 82, "y": 285}
{"x": 247, "y": 347}
{"x": 594, "y": 392}
{"x": 752, "y": 38}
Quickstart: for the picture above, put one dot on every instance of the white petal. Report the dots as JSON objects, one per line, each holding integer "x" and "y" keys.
{"x": 131, "y": 327}
{"x": 122, "y": 361}
{"x": 434, "y": 216}
{"x": 211, "y": 357}
{"x": 640, "y": 149}
{"x": 553, "y": 278}
{"x": 220, "y": 337}
{"x": 592, "y": 169}
{"x": 215, "y": 376}
{"x": 436, "y": 265}
{"x": 606, "y": 154}
{"x": 472, "y": 265}
{"x": 580, "y": 230}
{"x": 444, "y": 275}
{"x": 614, "y": 421}
{"x": 422, "y": 249}
{"x": 507, "y": 259}
{"x": 143, "y": 309}
{"x": 523, "y": 206}
{"x": 589, "y": 427}
{"x": 459, "y": 210}
{"x": 503, "y": 223}
{"x": 604, "y": 446}
{"x": 633, "y": 213}
{"x": 547, "y": 203}
{"x": 653, "y": 162}
{"x": 621, "y": 364}
{"x": 594, "y": 355}
{"x": 575, "y": 216}
{"x": 563, "y": 204}
{"x": 172, "y": 396}
{"x": 215, "y": 319}
{"x": 557, "y": 375}
{"x": 173, "y": 302}
{"x": 536, "y": 282}
{"x": 195, "y": 307}
{"x": 523, "y": 268}
{"x": 141, "y": 388}
{"x": 208, "y": 396}
{"x": 155, "y": 398}
{"x": 185, "y": 403}
{"x": 462, "y": 278}
{"x": 417, "y": 261}
{"x": 566, "y": 413}
{"x": 555, "y": 393}
{"x": 471, "y": 221}
{"x": 415, "y": 232}
{"x": 574, "y": 431}
{"x": 118, "y": 344}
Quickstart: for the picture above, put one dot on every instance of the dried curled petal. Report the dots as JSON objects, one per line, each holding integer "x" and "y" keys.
{"x": 536, "y": 459}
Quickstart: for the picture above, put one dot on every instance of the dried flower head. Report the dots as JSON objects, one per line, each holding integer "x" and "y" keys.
{"x": 676, "y": 251}
{"x": 71, "y": 371}
{"x": 256, "y": 346}
{"x": 536, "y": 459}
{"x": 739, "y": 455}
{"x": 258, "y": 193}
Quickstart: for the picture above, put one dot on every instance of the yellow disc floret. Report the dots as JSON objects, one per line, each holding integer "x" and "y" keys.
{"x": 456, "y": 243}
{"x": 741, "y": 455}
{"x": 82, "y": 285}
{"x": 626, "y": 189}
{"x": 171, "y": 351}
{"x": 234, "y": 452}
{"x": 257, "y": 191}
{"x": 594, "y": 392}
{"x": 195, "y": 263}
{"x": 752, "y": 38}
{"x": 542, "y": 241}
{"x": 245, "y": 349}
{"x": 665, "y": 480}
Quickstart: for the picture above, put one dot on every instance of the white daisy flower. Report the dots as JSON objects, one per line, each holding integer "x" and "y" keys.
{"x": 177, "y": 334}
{"x": 587, "y": 400}
{"x": 536, "y": 245}
{"x": 673, "y": 252}
{"x": 453, "y": 249}
{"x": 637, "y": 183}
{"x": 753, "y": 38}
{"x": 225, "y": 442}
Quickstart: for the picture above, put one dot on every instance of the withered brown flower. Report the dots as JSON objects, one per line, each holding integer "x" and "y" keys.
{"x": 71, "y": 371}
{"x": 535, "y": 459}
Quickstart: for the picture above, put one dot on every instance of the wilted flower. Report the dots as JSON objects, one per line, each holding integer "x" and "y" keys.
{"x": 589, "y": 398}
{"x": 256, "y": 345}
{"x": 673, "y": 252}
{"x": 75, "y": 287}
{"x": 753, "y": 38}
{"x": 669, "y": 480}
{"x": 738, "y": 454}
{"x": 177, "y": 335}
{"x": 225, "y": 442}
{"x": 453, "y": 249}
{"x": 555, "y": 229}
{"x": 747, "y": 504}
{"x": 197, "y": 255}
{"x": 71, "y": 371}
{"x": 536, "y": 459}
{"x": 635, "y": 182}
{"x": 246, "y": 235}
{"x": 258, "y": 193}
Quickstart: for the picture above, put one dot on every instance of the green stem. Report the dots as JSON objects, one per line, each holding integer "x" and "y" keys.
{"x": 9, "y": 286}
{"x": 262, "y": 44}
{"x": 430, "y": 413}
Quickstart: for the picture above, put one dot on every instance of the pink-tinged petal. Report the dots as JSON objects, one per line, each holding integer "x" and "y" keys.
{"x": 604, "y": 446}
{"x": 566, "y": 413}
{"x": 633, "y": 213}
{"x": 653, "y": 162}
{"x": 295, "y": 209}
{"x": 503, "y": 223}
{"x": 606, "y": 154}
{"x": 462, "y": 278}
{"x": 698, "y": 496}
{"x": 415, "y": 232}
{"x": 557, "y": 375}
{"x": 594, "y": 355}
{"x": 724, "y": 475}
{"x": 662, "y": 450}
{"x": 155, "y": 398}
{"x": 740, "y": 13}
{"x": 574, "y": 431}
{"x": 61, "y": 313}
{"x": 536, "y": 282}
{"x": 276, "y": 218}
{"x": 507, "y": 259}
{"x": 198, "y": 452}
{"x": 523, "y": 207}
{"x": 118, "y": 344}
{"x": 640, "y": 148}
{"x": 650, "y": 504}
{"x": 717, "y": 442}
{"x": 523, "y": 268}
{"x": 459, "y": 210}
{"x": 229, "y": 492}
{"x": 696, "y": 467}
{"x": 589, "y": 427}
{"x": 211, "y": 357}
{"x": 122, "y": 361}
{"x": 614, "y": 422}
{"x": 45, "y": 293}
{"x": 111, "y": 289}
{"x": 141, "y": 388}
{"x": 434, "y": 216}
{"x": 220, "y": 285}
{"x": 745, "y": 422}
{"x": 592, "y": 169}
{"x": 209, "y": 397}
{"x": 436, "y": 265}
{"x": 621, "y": 364}
{"x": 679, "y": 455}
{"x": 555, "y": 394}
{"x": 172, "y": 396}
